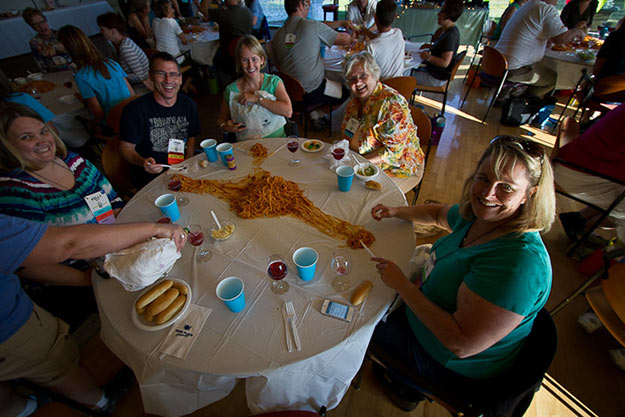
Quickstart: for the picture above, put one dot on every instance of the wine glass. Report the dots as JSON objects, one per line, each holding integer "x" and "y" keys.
{"x": 292, "y": 145}
{"x": 174, "y": 185}
{"x": 67, "y": 83}
{"x": 341, "y": 265}
{"x": 196, "y": 238}
{"x": 277, "y": 270}
{"x": 338, "y": 153}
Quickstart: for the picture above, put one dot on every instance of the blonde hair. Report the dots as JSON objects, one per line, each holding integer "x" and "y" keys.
{"x": 10, "y": 157}
{"x": 539, "y": 210}
{"x": 368, "y": 64}
{"x": 251, "y": 43}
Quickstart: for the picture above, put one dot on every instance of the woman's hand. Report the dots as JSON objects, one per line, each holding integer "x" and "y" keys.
{"x": 172, "y": 231}
{"x": 150, "y": 166}
{"x": 391, "y": 274}
{"x": 247, "y": 98}
{"x": 232, "y": 126}
{"x": 425, "y": 55}
{"x": 380, "y": 211}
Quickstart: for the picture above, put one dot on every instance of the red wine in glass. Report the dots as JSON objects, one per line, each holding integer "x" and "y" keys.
{"x": 164, "y": 220}
{"x": 196, "y": 238}
{"x": 277, "y": 271}
{"x": 338, "y": 153}
{"x": 174, "y": 185}
{"x": 68, "y": 83}
{"x": 293, "y": 145}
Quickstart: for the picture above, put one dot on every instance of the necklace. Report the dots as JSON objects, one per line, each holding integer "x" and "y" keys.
{"x": 50, "y": 180}
{"x": 464, "y": 243}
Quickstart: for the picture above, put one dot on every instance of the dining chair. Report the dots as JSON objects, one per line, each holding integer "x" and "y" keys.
{"x": 508, "y": 394}
{"x": 424, "y": 132}
{"x": 404, "y": 85}
{"x": 608, "y": 301}
{"x": 494, "y": 72}
{"x": 556, "y": 159}
{"x": 295, "y": 413}
{"x": 297, "y": 94}
{"x": 444, "y": 89}
{"x": 117, "y": 170}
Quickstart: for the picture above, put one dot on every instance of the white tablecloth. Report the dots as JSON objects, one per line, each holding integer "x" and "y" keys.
{"x": 568, "y": 67}
{"x": 251, "y": 344}
{"x": 333, "y": 61}
{"x": 204, "y": 46}
{"x": 16, "y": 33}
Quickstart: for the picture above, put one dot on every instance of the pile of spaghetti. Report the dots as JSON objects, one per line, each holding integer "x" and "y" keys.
{"x": 259, "y": 152}
{"x": 43, "y": 86}
{"x": 262, "y": 195}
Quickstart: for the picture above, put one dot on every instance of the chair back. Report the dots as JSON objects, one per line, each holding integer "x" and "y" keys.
{"x": 149, "y": 52}
{"x": 293, "y": 87}
{"x": 424, "y": 126}
{"x": 117, "y": 169}
{"x": 457, "y": 62}
{"x": 611, "y": 88}
{"x": 114, "y": 117}
{"x": 494, "y": 63}
{"x": 405, "y": 85}
{"x": 232, "y": 46}
{"x": 614, "y": 289}
{"x": 489, "y": 28}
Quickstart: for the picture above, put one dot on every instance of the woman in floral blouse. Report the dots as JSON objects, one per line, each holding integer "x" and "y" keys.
{"x": 377, "y": 122}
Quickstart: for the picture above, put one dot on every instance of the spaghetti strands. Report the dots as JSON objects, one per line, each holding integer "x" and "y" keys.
{"x": 259, "y": 152}
{"x": 262, "y": 195}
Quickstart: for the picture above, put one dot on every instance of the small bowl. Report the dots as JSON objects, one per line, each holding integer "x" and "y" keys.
{"x": 20, "y": 80}
{"x": 37, "y": 76}
{"x": 366, "y": 165}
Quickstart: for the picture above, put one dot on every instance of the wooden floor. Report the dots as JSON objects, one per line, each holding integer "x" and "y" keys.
{"x": 582, "y": 364}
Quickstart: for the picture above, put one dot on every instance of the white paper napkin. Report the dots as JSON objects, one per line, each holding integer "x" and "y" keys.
{"x": 346, "y": 160}
{"x": 183, "y": 332}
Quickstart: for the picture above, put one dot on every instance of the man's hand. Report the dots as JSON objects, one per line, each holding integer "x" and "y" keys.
{"x": 150, "y": 166}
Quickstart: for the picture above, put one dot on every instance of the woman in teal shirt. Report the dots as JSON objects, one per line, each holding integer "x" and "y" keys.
{"x": 468, "y": 314}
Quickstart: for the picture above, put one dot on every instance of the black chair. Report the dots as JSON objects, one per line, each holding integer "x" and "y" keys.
{"x": 444, "y": 89}
{"x": 507, "y": 395}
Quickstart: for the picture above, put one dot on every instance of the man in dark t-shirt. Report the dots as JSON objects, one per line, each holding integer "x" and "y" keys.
{"x": 611, "y": 56}
{"x": 159, "y": 128}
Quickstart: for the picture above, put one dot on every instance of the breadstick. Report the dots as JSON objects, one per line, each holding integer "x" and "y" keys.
{"x": 170, "y": 311}
{"x": 161, "y": 303}
{"x": 361, "y": 292}
{"x": 180, "y": 287}
{"x": 152, "y": 295}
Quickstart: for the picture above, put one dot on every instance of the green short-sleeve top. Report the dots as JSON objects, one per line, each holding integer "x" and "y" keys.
{"x": 512, "y": 272}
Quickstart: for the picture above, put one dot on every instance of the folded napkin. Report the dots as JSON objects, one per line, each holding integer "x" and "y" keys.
{"x": 140, "y": 265}
{"x": 184, "y": 331}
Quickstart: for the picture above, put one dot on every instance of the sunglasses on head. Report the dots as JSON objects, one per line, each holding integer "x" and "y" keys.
{"x": 530, "y": 147}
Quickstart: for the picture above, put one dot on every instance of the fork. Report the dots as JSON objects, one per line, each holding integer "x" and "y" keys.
{"x": 175, "y": 168}
{"x": 290, "y": 311}
{"x": 285, "y": 316}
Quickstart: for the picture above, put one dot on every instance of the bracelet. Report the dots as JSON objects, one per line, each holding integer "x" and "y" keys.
{"x": 221, "y": 127}
{"x": 260, "y": 99}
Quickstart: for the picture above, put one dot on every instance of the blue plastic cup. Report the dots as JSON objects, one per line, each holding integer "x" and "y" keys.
{"x": 322, "y": 51}
{"x": 345, "y": 175}
{"x": 168, "y": 205}
{"x": 224, "y": 149}
{"x": 230, "y": 291}
{"x": 209, "y": 145}
{"x": 305, "y": 259}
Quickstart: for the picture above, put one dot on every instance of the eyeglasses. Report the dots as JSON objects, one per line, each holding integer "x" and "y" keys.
{"x": 39, "y": 22}
{"x": 530, "y": 147}
{"x": 163, "y": 74}
{"x": 363, "y": 76}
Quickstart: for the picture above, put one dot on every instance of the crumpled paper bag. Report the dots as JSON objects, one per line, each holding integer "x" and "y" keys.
{"x": 140, "y": 265}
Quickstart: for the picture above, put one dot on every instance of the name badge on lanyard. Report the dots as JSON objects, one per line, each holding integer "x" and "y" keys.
{"x": 175, "y": 151}
{"x": 289, "y": 40}
{"x": 352, "y": 127}
{"x": 100, "y": 207}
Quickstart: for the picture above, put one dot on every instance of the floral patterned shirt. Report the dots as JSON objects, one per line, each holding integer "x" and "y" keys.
{"x": 46, "y": 53}
{"x": 384, "y": 121}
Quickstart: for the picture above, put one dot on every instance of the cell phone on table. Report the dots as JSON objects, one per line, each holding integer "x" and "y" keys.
{"x": 337, "y": 310}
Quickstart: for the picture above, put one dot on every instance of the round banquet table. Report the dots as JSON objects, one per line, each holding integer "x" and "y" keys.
{"x": 252, "y": 344}
{"x": 568, "y": 67}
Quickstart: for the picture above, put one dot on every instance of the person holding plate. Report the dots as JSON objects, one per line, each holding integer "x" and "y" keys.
{"x": 377, "y": 122}
{"x": 468, "y": 312}
{"x": 257, "y": 104}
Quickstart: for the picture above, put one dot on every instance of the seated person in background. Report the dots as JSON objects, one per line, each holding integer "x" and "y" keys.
{"x": 524, "y": 40}
{"x": 102, "y": 82}
{"x": 377, "y": 122}
{"x": 577, "y": 12}
{"x": 257, "y": 16}
{"x": 35, "y": 344}
{"x": 43, "y": 182}
{"x": 139, "y": 29}
{"x": 475, "y": 301}
{"x": 296, "y": 50}
{"x": 132, "y": 59}
{"x": 167, "y": 31}
{"x": 185, "y": 8}
{"x": 611, "y": 56}
{"x": 156, "y": 128}
{"x": 439, "y": 59}
{"x": 388, "y": 47}
{"x": 49, "y": 53}
{"x": 258, "y": 102}
{"x": 8, "y": 94}
{"x": 234, "y": 20}
{"x": 602, "y": 149}
{"x": 204, "y": 5}
{"x": 505, "y": 17}
{"x": 362, "y": 13}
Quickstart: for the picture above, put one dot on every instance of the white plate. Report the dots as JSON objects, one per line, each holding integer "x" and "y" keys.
{"x": 144, "y": 325}
{"x": 68, "y": 99}
{"x": 310, "y": 141}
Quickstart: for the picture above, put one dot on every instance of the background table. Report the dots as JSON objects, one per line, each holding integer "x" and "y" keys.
{"x": 204, "y": 45}
{"x": 567, "y": 66}
{"x": 251, "y": 344}
{"x": 15, "y": 32}
{"x": 419, "y": 21}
